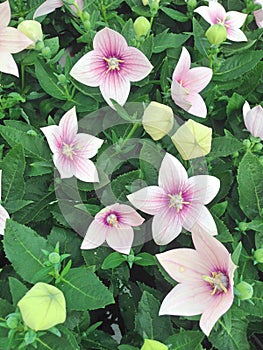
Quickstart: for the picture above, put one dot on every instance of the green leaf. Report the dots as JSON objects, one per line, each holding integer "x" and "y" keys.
{"x": 176, "y": 15}
{"x": 118, "y": 184}
{"x": 22, "y": 247}
{"x": 219, "y": 208}
{"x": 237, "y": 65}
{"x": 186, "y": 340}
{"x": 146, "y": 259}
{"x": 224, "y": 146}
{"x": 235, "y": 102}
{"x": 84, "y": 291}
{"x": 14, "y": 206}
{"x": 224, "y": 234}
{"x": 236, "y": 253}
{"x": 148, "y": 323}
{"x": 5, "y": 308}
{"x": 17, "y": 289}
{"x": 113, "y": 260}
{"x": 201, "y": 42}
{"x": 167, "y": 40}
{"x": 255, "y": 225}
{"x": 13, "y": 167}
{"x": 48, "y": 81}
{"x": 250, "y": 185}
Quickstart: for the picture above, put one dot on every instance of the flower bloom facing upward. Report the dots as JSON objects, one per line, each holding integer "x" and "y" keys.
{"x": 11, "y": 41}
{"x": 51, "y": 5}
{"x": 205, "y": 277}
{"x": 3, "y": 213}
{"x": 113, "y": 224}
{"x": 259, "y": 13}
{"x": 111, "y": 66}
{"x": 187, "y": 83}
{"x": 215, "y": 13}
{"x": 71, "y": 151}
{"x": 178, "y": 202}
{"x": 253, "y": 119}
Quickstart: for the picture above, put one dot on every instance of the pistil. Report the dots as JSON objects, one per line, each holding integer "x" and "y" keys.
{"x": 112, "y": 220}
{"x": 177, "y": 201}
{"x": 68, "y": 150}
{"x": 113, "y": 63}
{"x": 218, "y": 281}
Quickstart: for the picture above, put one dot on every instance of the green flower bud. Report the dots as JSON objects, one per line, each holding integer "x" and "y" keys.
{"x": 62, "y": 79}
{"x": 141, "y": 26}
{"x": 244, "y": 290}
{"x": 12, "y": 322}
{"x": 85, "y": 15}
{"x": 258, "y": 147}
{"x": 54, "y": 258}
{"x": 46, "y": 52}
{"x": 192, "y": 4}
{"x": 39, "y": 45}
{"x": 258, "y": 255}
{"x": 87, "y": 24}
{"x": 247, "y": 143}
{"x": 33, "y": 30}
{"x": 216, "y": 34}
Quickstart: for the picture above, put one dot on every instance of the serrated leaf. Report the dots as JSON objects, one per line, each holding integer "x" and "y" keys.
{"x": 84, "y": 291}
{"x": 185, "y": 340}
{"x": 224, "y": 146}
{"x": 22, "y": 247}
{"x": 17, "y": 289}
{"x": 201, "y": 42}
{"x": 250, "y": 185}
{"x": 167, "y": 40}
{"x": 174, "y": 14}
{"x": 118, "y": 184}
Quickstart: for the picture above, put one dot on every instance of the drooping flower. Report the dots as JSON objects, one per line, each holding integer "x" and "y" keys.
{"x": 253, "y": 119}
{"x": 43, "y": 307}
{"x": 51, "y": 5}
{"x": 178, "y": 202}
{"x": 192, "y": 140}
{"x": 259, "y": 13}
{"x": 113, "y": 224}
{"x": 157, "y": 120}
{"x": 111, "y": 66}
{"x": 11, "y": 41}
{"x": 187, "y": 83}
{"x": 3, "y": 213}
{"x": 215, "y": 13}
{"x": 205, "y": 277}
{"x": 72, "y": 151}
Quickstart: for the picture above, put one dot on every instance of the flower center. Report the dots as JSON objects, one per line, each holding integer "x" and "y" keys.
{"x": 177, "y": 201}
{"x": 113, "y": 63}
{"x": 223, "y": 21}
{"x": 218, "y": 281}
{"x": 185, "y": 88}
{"x": 68, "y": 151}
{"x": 112, "y": 220}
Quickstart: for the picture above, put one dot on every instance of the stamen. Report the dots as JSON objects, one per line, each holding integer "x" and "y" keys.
{"x": 218, "y": 281}
{"x": 68, "y": 150}
{"x": 177, "y": 201}
{"x": 112, "y": 220}
{"x": 113, "y": 63}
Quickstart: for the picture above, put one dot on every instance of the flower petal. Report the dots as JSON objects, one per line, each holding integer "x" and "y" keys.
{"x": 172, "y": 175}
{"x": 183, "y": 264}
{"x": 90, "y": 69}
{"x": 198, "y": 107}
{"x": 259, "y": 18}
{"x": 179, "y": 94}
{"x": 69, "y": 126}
{"x": 214, "y": 310}
{"x": 5, "y": 14}
{"x": 127, "y": 215}
{"x": 187, "y": 299}
{"x": 85, "y": 170}
{"x": 3, "y": 217}
{"x": 205, "y": 221}
{"x": 166, "y": 226}
{"x": 47, "y": 7}
{"x": 120, "y": 238}
{"x": 115, "y": 86}
{"x": 235, "y": 19}
{"x": 52, "y": 134}
{"x": 212, "y": 14}
{"x": 95, "y": 236}
{"x": 196, "y": 79}
{"x": 204, "y": 188}
{"x": 110, "y": 43}
{"x": 8, "y": 64}
{"x": 150, "y": 199}
{"x": 88, "y": 144}
{"x": 254, "y": 121}
{"x": 183, "y": 65}
{"x": 246, "y": 108}
{"x": 136, "y": 65}
{"x": 64, "y": 165}
{"x": 13, "y": 41}
{"x": 235, "y": 34}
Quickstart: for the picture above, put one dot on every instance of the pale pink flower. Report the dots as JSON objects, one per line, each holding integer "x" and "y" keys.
{"x": 3, "y": 213}
{"x": 259, "y": 14}
{"x": 205, "y": 277}
{"x": 178, "y": 202}
{"x": 11, "y": 41}
{"x": 187, "y": 83}
{"x": 51, "y": 5}
{"x": 111, "y": 66}
{"x": 253, "y": 119}
{"x": 215, "y": 13}
{"x": 113, "y": 224}
{"x": 71, "y": 151}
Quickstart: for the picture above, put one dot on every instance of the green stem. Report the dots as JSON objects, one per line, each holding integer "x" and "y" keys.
{"x": 42, "y": 343}
{"x": 133, "y": 129}
{"x": 22, "y": 78}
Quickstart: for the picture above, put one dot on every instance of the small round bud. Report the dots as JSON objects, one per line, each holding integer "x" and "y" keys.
{"x": 192, "y": 4}
{"x": 141, "y": 26}
{"x": 258, "y": 147}
{"x": 235, "y": 155}
{"x": 87, "y": 24}
{"x": 39, "y": 45}
{"x": 216, "y": 34}
{"x": 12, "y": 322}
{"x": 62, "y": 79}
{"x": 33, "y": 30}
{"x": 46, "y": 52}
{"x": 31, "y": 133}
{"x": 85, "y": 15}
{"x": 244, "y": 290}
{"x": 247, "y": 143}
{"x": 242, "y": 226}
{"x": 258, "y": 255}
{"x": 54, "y": 258}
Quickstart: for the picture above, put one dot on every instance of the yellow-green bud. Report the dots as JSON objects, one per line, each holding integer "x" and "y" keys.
{"x": 216, "y": 34}
{"x": 258, "y": 255}
{"x": 244, "y": 290}
{"x": 146, "y": 2}
{"x": 33, "y": 30}
{"x": 150, "y": 344}
{"x": 54, "y": 258}
{"x": 141, "y": 26}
